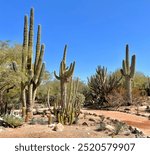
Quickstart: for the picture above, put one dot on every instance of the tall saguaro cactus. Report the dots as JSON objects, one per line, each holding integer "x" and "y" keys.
{"x": 128, "y": 71}
{"x": 34, "y": 71}
{"x": 65, "y": 74}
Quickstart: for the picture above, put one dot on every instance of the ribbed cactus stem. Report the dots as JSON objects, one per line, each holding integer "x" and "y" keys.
{"x": 38, "y": 46}
{"x": 65, "y": 75}
{"x": 34, "y": 71}
{"x": 128, "y": 71}
{"x": 30, "y": 43}
{"x": 25, "y": 43}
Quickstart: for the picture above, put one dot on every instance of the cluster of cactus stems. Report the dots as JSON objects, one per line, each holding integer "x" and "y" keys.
{"x": 67, "y": 110}
{"x": 34, "y": 71}
{"x": 128, "y": 71}
{"x": 65, "y": 74}
{"x": 69, "y": 114}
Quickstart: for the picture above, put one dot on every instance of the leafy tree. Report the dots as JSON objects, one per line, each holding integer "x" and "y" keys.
{"x": 10, "y": 75}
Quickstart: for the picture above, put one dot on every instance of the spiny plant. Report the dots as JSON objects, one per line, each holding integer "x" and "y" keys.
{"x": 34, "y": 71}
{"x": 101, "y": 85}
{"x": 68, "y": 109}
{"x": 128, "y": 71}
{"x": 65, "y": 74}
{"x": 70, "y": 113}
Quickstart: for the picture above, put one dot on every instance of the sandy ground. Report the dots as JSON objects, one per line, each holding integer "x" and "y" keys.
{"x": 77, "y": 131}
{"x": 137, "y": 121}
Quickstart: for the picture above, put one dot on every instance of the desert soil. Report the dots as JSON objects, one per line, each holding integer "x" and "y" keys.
{"x": 77, "y": 131}
{"x": 139, "y": 122}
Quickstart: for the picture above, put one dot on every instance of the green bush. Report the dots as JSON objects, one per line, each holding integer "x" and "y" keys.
{"x": 13, "y": 121}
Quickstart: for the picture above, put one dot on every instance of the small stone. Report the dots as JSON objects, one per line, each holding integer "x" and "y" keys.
{"x": 126, "y": 133}
{"x": 58, "y": 127}
{"x": 51, "y": 125}
{"x": 85, "y": 124}
{"x": 110, "y": 128}
{"x": 91, "y": 119}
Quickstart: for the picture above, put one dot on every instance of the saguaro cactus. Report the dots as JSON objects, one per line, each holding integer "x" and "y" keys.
{"x": 65, "y": 74}
{"x": 128, "y": 72}
{"x": 34, "y": 71}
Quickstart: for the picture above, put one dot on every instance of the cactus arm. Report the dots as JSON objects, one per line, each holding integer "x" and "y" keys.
{"x": 56, "y": 76}
{"x": 41, "y": 75}
{"x": 37, "y": 47}
{"x": 70, "y": 71}
{"x": 64, "y": 55}
{"x": 124, "y": 68}
{"x": 127, "y": 62}
{"x": 25, "y": 43}
{"x": 133, "y": 66}
{"x": 39, "y": 65}
{"x": 30, "y": 41}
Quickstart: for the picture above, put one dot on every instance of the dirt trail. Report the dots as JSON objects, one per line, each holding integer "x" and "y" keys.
{"x": 137, "y": 121}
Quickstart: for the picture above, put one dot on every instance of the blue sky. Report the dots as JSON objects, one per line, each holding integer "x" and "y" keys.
{"x": 96, "y": 31}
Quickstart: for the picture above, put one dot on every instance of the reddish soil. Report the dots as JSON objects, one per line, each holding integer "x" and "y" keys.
{"x": 141, "y": 123}
{"x": 78, "y": 131}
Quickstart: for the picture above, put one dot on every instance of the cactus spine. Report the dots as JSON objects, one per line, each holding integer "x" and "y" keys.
{"x": 65, "y": 74}
{"x": 34, "y": 71}
{"x": 128, "y": 71}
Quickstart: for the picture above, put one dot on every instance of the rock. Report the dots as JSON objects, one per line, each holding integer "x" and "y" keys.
{"x": 51, "y": 125}
{"x": 85, "y": 124}
{"x": 127, "y": 109}
{"x": 1, "y": 129}
{"x": 127, "y": 133}
{"x": 91, "y": 119}
{"x": 58, "y": 127}
{"x": 110, "y": 128}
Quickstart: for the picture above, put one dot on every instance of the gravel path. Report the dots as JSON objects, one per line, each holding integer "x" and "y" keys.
{"x": 137, "y": 121}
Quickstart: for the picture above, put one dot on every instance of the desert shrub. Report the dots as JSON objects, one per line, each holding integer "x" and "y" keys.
{"x": 13, "y": 121}
{"x": 41, "y": 121}
{"x": 118, "y": 126}
{"x": 101, "y": 127}
{"x": 101, "y": 85}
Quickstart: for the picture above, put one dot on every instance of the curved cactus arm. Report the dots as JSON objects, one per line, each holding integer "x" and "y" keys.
{"x": 56, "y": 76}
{"x": 124, "y": 68}
{"x": 122, "y": 72}
{"x": 70, "y": 71}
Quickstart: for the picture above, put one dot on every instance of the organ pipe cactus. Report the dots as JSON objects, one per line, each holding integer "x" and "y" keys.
{"x": 65, "y": 74}
{"x": 128, "y": 71}
{"x": 34, "y": 71}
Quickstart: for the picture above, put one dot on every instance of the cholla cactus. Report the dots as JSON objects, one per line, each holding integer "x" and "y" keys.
{"x": 34, "y": 71}
{"x": 128, "y": 71}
